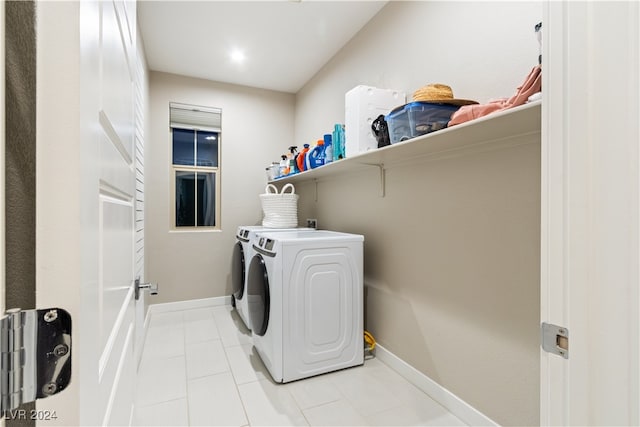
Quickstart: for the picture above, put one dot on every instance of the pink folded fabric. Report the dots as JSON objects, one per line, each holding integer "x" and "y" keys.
{"x": 531, "y": 85}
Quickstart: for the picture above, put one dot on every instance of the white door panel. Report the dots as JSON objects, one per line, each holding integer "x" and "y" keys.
{"x": 86, "y": 201}
{"x": 591, "y": 212}
{"x": 115, "y": 171}
{"x": 119, "y": 409}
{"x": 116, "y": 226}
{"x": 116, "y": 269}
{"x": 118, "y": 359}
{"x": 126, "y": 12}
{"x": 116, "y": 82}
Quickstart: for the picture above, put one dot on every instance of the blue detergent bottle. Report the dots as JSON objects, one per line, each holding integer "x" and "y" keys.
{"x": 316, "y": 156}
{"x": 328, "y": 149}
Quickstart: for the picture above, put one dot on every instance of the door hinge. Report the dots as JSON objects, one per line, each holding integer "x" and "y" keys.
{"x": 36, "y": 355}
{"x": 555, "y": 339}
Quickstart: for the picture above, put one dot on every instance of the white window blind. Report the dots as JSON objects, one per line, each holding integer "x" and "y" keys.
{"x": 194, "y": 117}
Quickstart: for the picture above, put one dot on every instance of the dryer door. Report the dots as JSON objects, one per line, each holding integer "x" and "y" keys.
{"x": 238, "y": 271}
{"x": 258, "y": 295}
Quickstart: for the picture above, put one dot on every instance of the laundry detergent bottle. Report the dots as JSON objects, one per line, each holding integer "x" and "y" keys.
{"x": 316, "y": 156}
{"x": 328, "y": 149}
{"x": 338, "y": 142}
{"x": 301, "y": 160}
{"x": 292, "y": 158}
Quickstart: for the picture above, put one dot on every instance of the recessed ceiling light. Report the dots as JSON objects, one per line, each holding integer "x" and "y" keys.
{"x": 237, "y": 55}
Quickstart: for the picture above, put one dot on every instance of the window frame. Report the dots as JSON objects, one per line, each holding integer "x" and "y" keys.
{"x": 175, "y": 168}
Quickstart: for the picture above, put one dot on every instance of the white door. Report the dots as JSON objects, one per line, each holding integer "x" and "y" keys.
{"x": 590, "y": 212}
{"x": 85, "y": 200}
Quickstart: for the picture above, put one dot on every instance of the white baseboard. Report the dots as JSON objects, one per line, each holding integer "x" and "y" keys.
{"x": 187, "y": 305}
{"x": 450, "y": 401}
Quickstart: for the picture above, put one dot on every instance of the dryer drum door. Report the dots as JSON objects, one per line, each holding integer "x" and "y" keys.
{"x": 258, "y": 295}
{"x": 238, "y": 271}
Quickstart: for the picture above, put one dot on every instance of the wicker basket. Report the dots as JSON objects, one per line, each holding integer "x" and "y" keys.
{"x": 280, "y": 209}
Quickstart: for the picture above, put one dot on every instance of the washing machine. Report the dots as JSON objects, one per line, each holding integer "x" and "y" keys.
{"x": 305, "y": 302}
{"x": 242, "y": 253}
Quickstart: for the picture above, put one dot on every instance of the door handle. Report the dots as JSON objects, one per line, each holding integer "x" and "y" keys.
{"x": 153, "y": 288}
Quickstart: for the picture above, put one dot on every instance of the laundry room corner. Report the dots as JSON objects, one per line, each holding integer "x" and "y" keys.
{"x": 192, "y": 265}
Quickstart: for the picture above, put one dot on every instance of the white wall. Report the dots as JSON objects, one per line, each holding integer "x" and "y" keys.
{"x": 452, "y": 251}
{"x": 257, "y": 125}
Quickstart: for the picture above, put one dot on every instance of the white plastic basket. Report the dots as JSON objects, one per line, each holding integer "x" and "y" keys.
{"x": 280, "y": 209}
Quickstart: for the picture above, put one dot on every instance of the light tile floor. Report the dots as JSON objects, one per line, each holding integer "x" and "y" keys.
{"x": 199, "y": 368}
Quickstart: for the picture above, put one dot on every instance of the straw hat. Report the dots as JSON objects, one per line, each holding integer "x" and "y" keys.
{"x": 440, "y": 94}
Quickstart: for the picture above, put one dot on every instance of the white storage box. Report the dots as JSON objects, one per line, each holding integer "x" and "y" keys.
{"x": 363, "y": 104}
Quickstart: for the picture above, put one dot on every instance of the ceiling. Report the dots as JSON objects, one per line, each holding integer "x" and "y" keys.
{"x": 285, "y": 43}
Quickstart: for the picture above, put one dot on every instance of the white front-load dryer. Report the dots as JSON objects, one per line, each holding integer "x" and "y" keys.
{"x": 242, "y": 254}
{"x": 305, "y": 301}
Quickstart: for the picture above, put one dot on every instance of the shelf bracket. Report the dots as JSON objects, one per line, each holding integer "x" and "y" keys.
{"x": 382, "y": 172}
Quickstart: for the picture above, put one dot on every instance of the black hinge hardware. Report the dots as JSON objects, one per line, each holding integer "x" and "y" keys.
{"x": 36, "y": 355}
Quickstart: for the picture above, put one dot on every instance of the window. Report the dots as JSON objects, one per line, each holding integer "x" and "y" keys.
{"x": 195, "y": 166}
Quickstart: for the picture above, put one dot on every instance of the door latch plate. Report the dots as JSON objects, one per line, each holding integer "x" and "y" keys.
{"x": 555, "y": 339}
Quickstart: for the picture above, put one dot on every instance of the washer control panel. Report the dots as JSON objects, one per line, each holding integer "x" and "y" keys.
{"x": 243, "y": 234}
{"x": 266, "y": 244}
